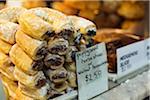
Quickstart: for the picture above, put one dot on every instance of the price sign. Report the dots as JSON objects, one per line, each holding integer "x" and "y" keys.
{"x": 131, "y": 58}
{"x": 92, "y": 71}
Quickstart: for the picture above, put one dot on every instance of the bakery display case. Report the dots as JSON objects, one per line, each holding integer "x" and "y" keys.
{"x": 41, "y": 42}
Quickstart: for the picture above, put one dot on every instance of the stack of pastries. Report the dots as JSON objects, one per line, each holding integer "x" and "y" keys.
{"x": 37, "y": 51}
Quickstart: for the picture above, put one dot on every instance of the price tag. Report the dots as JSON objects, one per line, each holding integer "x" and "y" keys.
{"x": 131, "y": 58}
{"x": 92, "y": 71}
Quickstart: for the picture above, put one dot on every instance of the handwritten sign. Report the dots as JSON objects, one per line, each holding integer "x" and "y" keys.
{"x": 131, "y": 57}
{"x": 92, "y": 71}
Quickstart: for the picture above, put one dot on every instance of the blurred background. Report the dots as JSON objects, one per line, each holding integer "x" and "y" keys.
{"x": 131, "y": 15}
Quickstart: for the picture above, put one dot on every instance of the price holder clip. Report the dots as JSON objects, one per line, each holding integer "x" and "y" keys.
{"x": 92, "y": 71}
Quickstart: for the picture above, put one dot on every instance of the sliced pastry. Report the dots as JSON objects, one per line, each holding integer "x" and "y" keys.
{"x": 58, "y": 46}
{"x": 38, "y": 80}
{"x": 70, "y": 66}
{"x": 23, "y": 61}
{"x": 58, "y": 76}
{"x": 36, "y": 49}
{"x": 35, "y": 26}
{"x": 7, "y": 31}
{"x": 54, "y": 61}
{"x": 60, "y": 87}
{"x": 11, "y": 13}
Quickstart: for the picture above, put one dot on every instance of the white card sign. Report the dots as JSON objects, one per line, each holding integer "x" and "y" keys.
{"x": 92, "y": 71}
{"x": 131, "y": 58}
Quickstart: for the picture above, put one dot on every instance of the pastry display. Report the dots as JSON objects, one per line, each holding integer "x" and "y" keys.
{"x": 114, "y": 39}
{"x": 38, "y": 48}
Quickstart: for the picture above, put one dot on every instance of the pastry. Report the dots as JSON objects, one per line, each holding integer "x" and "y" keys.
{"x": 58, "y": 46}
{"x": 38, "y": 80}
{"x": 131, "y": 10}
{"x": 21, "y": 96}
{"x": 58, "y": 76}
{"x": 72, "y": 79}
{"x": 8, "y": 72}
{"x": 83, "y": 26}
{"x": 60, "y": 87}
{"x": 11, "y": 13}
{"x": 5, "y": 60}
{"x": 10, "y": 85}
{"x": 5, "y": 47}
{"x": 71, "y": 53}
{"x": 70, "y": 66}
{"x": 64, "y": 8}
{"x": 7, "y": 31}
{"x": 41, "y": 93}
{"x": 54, "y": 61}
{"x": 23, "y": 61}
{"x": 35, "y": 26}
{"x": 36, "y": 49}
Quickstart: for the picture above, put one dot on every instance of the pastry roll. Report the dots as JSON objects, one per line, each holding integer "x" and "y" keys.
{"x": 72, "y": 79}
{"x": 58, "y": 46}
{"x": 71, "y": 53}
{"x": 60, "y": 87}
{"x": 35, "y": 26}
{"x": 54, "y": 61}
{"x": 11, "y": 13}
{"x": 4, "y": 60}
{"x": 70, "y": 66}
{"x": 41, "y": 93}
{"x": 58, "y": 76}
{"x": 36, "y": 49}
{"x": 5, "y": 47}
{"x": 8, "y": 72}
{"x": 21, "y": 96}
{"x": 7, "y": 31}
{"x": 83, "y": 26}
{"x": 38, "y": 80}
{"x": 23, "y": 61}
{"x": 10, "y": 85}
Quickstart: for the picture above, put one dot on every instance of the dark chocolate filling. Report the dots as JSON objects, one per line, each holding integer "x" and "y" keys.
{"x": 78, "y": 39}
{"x": 59, "y": 75}
{"x": 41, "y": 52}
{"x": 91, "y": 33}
{"x": 65, "y": 34}
{"x": 54, "y": 61}
{"x": 58, "y": 48}
{"x": 41, "y": 83}
{"x": 50, "y": 34}
{"x": 37, "y": 66}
